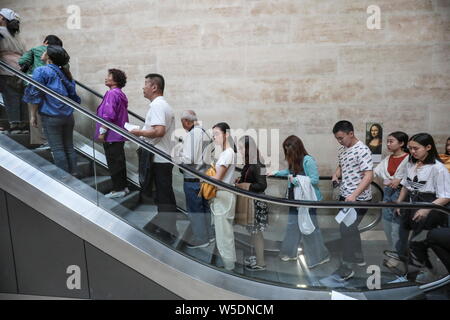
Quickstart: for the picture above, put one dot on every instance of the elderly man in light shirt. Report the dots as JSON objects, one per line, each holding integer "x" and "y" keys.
{"x": 195, "y": 143}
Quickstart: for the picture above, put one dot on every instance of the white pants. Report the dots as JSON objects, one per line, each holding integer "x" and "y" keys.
{"x": 222, "y": 209}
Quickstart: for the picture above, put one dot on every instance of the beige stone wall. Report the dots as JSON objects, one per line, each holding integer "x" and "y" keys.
{"x": 296, "y": 65}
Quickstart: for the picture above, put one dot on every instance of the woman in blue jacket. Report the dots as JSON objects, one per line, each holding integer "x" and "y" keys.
{"x": 57, "y": 117}
{"x": 301, "y": 163}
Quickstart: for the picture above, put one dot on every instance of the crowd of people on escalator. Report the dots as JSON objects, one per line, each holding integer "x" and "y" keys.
{"x": 412, "y": 172}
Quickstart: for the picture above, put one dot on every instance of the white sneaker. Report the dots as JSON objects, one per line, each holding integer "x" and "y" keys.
{"x": 249, "y": 261}
{"x": 117, "y": 194}
{"x": 399, "y": 280}
{"x": 287, "y": 258}
{"x": 44, "y": 146}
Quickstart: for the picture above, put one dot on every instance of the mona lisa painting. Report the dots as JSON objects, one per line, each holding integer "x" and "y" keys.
{"x": 374, "y": 139}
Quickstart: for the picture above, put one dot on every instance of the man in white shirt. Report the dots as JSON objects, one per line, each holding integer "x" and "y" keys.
{"x": 158, "y": 130}
{"x": 356, "y": 170}
{"x": 196, "y": 144}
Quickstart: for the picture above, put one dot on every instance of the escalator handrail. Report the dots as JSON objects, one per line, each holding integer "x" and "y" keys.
{"x": 99, "y": 95}
{"x": 368, "y": 227}
{"x": 212, "y": 181}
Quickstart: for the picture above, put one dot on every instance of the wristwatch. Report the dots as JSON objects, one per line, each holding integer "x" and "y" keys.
{"x": 103, "y": 130}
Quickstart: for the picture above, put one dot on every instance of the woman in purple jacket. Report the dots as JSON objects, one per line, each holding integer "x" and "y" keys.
{"x": 114, "y": 109}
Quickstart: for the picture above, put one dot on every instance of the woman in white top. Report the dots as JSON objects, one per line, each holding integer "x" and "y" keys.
{"x": 223, "y": 205}
{"x": 392, "y": 170}
{"x": 426, "y": 180}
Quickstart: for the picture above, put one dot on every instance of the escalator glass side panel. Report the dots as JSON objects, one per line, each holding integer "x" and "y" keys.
{"x": 277, "y": 249}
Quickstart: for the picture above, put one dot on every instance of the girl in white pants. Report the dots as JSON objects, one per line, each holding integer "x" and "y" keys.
{"x": 223, "y": 205}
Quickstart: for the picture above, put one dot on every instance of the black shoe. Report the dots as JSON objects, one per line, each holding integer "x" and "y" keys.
{"x": 419, "y": 254}
{"x": 343, "y": 273}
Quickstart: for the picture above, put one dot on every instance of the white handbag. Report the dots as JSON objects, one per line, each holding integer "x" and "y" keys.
{"x": 305, "y": 191}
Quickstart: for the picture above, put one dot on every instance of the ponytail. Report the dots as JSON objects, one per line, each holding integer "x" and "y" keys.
{"x": 13, "y": 26}
{"x": 67, "y": 73}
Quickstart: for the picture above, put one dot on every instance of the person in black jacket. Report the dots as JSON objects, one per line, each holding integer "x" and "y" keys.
{"x": 253, "y": 178}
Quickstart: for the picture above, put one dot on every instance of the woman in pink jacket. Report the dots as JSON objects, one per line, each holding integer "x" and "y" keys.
{"x": 114, "y": 109}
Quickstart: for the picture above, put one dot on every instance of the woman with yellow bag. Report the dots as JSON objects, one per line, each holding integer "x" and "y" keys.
{"x": 223, "y": 204}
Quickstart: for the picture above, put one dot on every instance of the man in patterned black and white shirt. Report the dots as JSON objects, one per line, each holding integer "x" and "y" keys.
{"x": 356, "y": 170}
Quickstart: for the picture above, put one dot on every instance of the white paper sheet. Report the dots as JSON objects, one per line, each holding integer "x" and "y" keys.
{"x": 347, "y": 216}
{"x": 130, "y": 127}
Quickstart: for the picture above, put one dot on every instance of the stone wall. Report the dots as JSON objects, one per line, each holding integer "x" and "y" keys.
{"x": 295, "y": 65}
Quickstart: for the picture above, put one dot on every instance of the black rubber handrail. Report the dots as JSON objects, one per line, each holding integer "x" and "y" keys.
{"x": 99, "y": 95}
{"x": 212, "y": 181}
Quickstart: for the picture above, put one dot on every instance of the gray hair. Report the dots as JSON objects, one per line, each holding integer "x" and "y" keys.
{"x": 189, "y": 115}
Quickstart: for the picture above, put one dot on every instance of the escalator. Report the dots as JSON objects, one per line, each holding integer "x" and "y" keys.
{"x": 52, "y": 221}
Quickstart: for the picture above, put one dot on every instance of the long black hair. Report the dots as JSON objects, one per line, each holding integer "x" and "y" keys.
{"x": 61, "y": 58}
{"x": 224, "y": 127}
{"x": 251, "y": 154}
{"x": 425, "y": 139}
{"x": 13, "y": 26}
{"x": 401, "y": 137}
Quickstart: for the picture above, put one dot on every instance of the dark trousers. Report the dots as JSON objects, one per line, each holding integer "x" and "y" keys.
{"x": 164, "y": 198}
{"x": 11, "y": 88}
{"x": 115, "y": 157}
{"x": 407, "y": 225}
{"x": 145, "y": 177}
{"x": 199, "y": 213}
{"x": 351, "y": 238}
{"x": 439, "y": 241}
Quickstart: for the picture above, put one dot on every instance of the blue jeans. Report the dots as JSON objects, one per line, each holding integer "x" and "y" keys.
{"x": 199, "y": 213}
{"x": 59, "y": 133}
{"x": 391, "y": 222}
{"x": 313, "y": 246}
